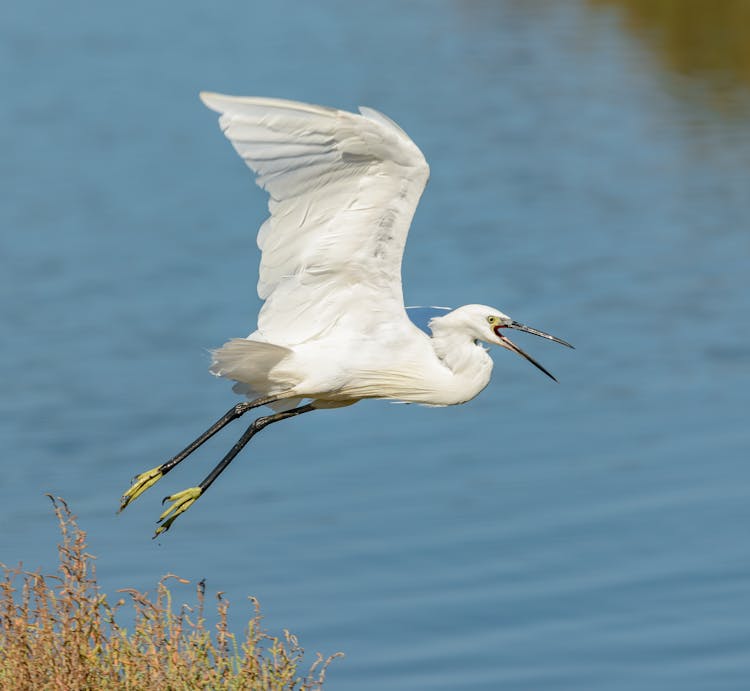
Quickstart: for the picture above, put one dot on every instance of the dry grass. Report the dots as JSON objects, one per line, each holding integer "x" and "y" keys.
{"x": 60, "y": 632}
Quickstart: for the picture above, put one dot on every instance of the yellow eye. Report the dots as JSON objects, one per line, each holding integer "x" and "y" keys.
{"x": 492, "y": 320}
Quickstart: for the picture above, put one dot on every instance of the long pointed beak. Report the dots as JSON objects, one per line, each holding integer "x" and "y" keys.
{"x": 522, "y": 327}
{"x": 512, "y": 346}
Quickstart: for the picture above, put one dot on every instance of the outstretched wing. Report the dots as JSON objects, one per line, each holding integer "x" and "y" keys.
{"x": 343, "y": 190}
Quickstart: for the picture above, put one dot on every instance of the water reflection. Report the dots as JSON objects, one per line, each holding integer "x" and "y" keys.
{"x": 701, "y": 39}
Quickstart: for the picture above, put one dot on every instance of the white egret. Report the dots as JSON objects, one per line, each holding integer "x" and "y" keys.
{"x": 333, "y": 329}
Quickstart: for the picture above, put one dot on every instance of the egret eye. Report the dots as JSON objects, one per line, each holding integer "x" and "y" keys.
{"x": 492, "y": 320}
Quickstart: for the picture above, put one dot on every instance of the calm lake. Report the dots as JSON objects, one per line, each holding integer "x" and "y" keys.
{"x": 590, "y": 174}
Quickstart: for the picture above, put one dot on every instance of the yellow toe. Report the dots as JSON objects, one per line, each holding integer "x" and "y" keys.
{"x": 140, "y": 484}
{"x": 181, "y": 502}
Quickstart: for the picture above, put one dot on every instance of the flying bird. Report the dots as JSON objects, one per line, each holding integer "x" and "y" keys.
{"x": 333, "y": 328}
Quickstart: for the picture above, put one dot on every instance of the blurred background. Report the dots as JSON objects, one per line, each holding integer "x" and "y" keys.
{"x": 590, "y": 166}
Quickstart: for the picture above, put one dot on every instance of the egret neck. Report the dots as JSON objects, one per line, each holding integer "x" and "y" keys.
{"x": 459, "y": 349}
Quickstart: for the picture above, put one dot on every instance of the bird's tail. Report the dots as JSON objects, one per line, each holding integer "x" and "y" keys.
{"x": 254, "y": 366}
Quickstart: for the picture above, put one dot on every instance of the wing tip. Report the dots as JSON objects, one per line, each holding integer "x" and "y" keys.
{"x": 212, "y": 100}
{"x": 381, "y": 118}
{"x": 221, "y": 103}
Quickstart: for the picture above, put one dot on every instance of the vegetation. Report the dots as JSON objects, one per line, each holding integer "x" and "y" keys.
{"x": 709, "y": 40}
{"x": 60, "y": 632}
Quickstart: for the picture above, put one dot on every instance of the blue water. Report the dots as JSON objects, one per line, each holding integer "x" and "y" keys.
{"x": 590, "y": 534}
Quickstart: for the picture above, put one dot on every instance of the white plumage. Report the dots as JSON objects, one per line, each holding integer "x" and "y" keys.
{"x": 343, "y": 188}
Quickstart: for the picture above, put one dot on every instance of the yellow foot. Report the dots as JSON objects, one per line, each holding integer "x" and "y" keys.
{"x": 140, "y": 484}
{"x": 181, "y": 502}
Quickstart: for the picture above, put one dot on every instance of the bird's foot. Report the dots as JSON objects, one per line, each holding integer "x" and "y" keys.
{"x": 181, "y": 502}
{"x": 140, "y": 484}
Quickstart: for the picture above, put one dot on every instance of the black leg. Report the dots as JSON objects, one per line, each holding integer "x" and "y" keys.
{"x": 145, "y": 480}
{"x": 182, "y": 501}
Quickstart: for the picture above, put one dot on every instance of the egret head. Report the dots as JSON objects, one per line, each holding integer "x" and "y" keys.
{"x": 490, "y": 325}
{"x": 498, "y": 322}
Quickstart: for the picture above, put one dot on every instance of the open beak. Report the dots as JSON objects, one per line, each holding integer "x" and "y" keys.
{"x": 512, "y": 346}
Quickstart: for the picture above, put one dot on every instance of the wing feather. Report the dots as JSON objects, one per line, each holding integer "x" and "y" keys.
{"x": 343, "y": 190}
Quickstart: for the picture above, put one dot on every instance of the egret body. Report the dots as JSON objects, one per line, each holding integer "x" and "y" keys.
{"x": 333, "y": 328}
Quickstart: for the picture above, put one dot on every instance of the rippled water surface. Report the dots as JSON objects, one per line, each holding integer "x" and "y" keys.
{"x": 585, "y": 179}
